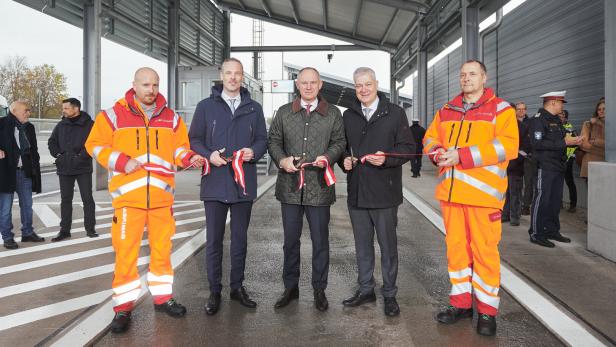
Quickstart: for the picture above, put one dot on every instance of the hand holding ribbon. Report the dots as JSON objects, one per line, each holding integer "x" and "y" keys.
{"x": 322, "y": 162}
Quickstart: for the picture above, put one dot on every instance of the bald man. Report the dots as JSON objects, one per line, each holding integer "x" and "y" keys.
{"x": 141, "y": 142}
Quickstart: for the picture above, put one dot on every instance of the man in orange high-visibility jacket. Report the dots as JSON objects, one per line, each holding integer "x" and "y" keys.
{"x": 138, "y": 130}
{"x": 471, "y": 139}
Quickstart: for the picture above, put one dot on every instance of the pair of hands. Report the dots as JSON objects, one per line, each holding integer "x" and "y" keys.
{"x": 217, "y": 160}
{"x": 574, "y": 140}
{"x": 133, "y": 165}
{"x": 287, "y": 163}
{"x": 447, "y": 158}
{"x": 350, "y": 162}
{"x": 2, "y": 155}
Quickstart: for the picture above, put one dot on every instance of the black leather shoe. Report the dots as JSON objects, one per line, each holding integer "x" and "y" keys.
{"x": 120, "y": 322}
{"x": 452, "y": 314}
{"x": 287, "y": 296}
{"x": 32, "y": 238}
{"x": 359, "y": 299}
{"x": 241, "y": 296}
{"x": 10, "y": 244}
{"x": 61, "y": 236}
{"x": 542, "y": 242}
{"x": 91, "y": 234}
{"x": 515, "y": 223}
{"x": 559, "y": 237}
{"x": 486, "y": 325}
{"x": 320, "y": 300}
{"x": 391, "y": 307}
{"x": 172, "y": 308}
{"x": 213, "y": 303}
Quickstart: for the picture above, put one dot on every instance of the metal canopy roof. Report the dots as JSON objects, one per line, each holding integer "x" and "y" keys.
{"x": 341, "y": 91}
{"x": 375, "y": 24}
{"x": 141, "y": 25}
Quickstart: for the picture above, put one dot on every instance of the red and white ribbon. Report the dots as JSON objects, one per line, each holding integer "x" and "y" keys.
{"x": 237, "y": 162}
{"x": 396, "y": 155}
{"x": 329, "y": 176}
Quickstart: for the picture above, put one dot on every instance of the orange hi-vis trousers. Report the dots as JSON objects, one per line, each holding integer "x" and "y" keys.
{"x": 473, "y": 260}
{"x": 126, "y": 234}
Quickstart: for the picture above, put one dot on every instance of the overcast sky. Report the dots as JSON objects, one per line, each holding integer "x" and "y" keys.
{"x": 54, "y": 42}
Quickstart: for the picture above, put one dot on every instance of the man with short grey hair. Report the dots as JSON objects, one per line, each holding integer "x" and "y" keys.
{"x": 374, "y": 184}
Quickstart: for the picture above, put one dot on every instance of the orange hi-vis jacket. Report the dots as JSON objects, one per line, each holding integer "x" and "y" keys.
{"x": 123, "y": 132}
{"x": 486, "y": 137}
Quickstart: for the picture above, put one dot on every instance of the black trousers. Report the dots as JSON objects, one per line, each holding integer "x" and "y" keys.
{"x": 67, "y": 187}
{"x": 545, "y": 209}
{"x": 570, "y": 181}
{"x": 365, "y": 223}
{"x": 511, "y": 210}
{"x": 416, "y": 164}
{"x": 530, "y": 180}
{"x": 292, "y": 222}
{"x": 215, "y": 222}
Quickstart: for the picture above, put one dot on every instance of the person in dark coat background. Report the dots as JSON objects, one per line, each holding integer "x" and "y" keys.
{"x": 73, "y": 163}
{"x": 228, "y": 121}
{"x": 373, "y": 125}
{"x": 515, "y": 178}
{"x": 20, "y": 171}
{"x": 418, "y": 134}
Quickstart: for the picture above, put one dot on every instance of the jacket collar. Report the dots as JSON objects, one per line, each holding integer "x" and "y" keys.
{"x": 244, "y": 94}
{"x": 383, "y": 105}
{"x": 83, "y": 117}
{"x": 129, "y": 98}
{"x": 458, "y": 102}
{"x": 321, "y": 106}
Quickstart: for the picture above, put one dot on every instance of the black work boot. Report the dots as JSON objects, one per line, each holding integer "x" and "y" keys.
{"x": 172, "y": 308}
{"x": 120, "y": 322}
{"x": 452, "y": 314}
{"x": 486, "y": 325}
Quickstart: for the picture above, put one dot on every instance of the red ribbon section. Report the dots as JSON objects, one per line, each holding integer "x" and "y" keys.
{"x": 329, "y": 176}
{"x": 164, "y": 171}
{"x": 396, "y": 155}
{"x": 237, "y": 162}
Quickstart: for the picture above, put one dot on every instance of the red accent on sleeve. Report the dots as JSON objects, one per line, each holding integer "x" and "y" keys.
{"x": 121, "y": 162}
{"x": 466, "y": 159}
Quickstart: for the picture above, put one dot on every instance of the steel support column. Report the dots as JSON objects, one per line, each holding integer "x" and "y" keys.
{"x": 173, "y": 52}
{"x": 470, "y": 32}
{"x": 393, "y": 91}
{"x": 227, "y": 34}
{"x": 92, "y": 71}
{"x": 422, "y": 78}
{"x": 610, "y": 80}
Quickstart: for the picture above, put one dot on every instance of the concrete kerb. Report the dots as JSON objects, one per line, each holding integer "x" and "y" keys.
{"x": 94, "y": 323}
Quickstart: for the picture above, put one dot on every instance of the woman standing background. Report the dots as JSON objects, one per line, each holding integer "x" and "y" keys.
{"x": 593, "y": 132}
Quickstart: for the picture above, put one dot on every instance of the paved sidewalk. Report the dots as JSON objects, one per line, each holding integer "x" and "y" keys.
{"x": 581, "y": 281}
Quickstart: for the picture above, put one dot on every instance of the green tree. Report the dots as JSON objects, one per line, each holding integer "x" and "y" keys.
{"x": 42, "y": 85}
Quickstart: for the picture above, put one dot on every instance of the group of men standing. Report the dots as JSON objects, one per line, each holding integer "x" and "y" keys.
{"x": 142, "y": 142}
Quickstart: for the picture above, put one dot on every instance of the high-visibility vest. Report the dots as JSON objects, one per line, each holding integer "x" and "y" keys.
{"x": 486, "y": 137}
{"x": 571, "y": 131}
{"x": 123, "y": 132}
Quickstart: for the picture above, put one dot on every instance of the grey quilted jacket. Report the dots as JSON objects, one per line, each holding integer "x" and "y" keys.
{"x": 295, "y": 133}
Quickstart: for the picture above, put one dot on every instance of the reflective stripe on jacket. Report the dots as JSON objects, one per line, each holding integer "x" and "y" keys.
{"x": 486, "y": 137}
{"x": 124, "y": 132}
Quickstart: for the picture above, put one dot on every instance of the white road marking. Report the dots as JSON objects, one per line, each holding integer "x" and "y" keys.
{"x": 567, "y": 328}
{"x": 79, "y": 255}
{"x": 86, "y": 329}
{"x": 46, "y": 215}
{"x": 35, "y": 196}
{"x": 48, "y": 246}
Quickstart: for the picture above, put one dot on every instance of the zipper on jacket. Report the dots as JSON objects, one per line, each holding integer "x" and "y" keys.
{"x": 455, "y": 146}
{"x": 147, "y": 146}
{"x": 137, "y": 134}
{"x": 468, "y": 133}
{"x": 156, "y": 138}
{"x": 213, "y": 129}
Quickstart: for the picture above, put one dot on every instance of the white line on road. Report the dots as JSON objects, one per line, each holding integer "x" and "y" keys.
{"x": 79, "y": 255}
{"x": 46, "y": 215}
{"x": 49, "y": 246}
{"x": 15, "y": 200}
{"x": 554, "y": 317}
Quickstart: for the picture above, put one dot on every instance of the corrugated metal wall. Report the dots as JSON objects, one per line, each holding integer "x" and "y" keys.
{"x": 541, "y": 46}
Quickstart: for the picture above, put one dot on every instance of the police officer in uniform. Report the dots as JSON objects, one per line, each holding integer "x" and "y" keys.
{"x": 549, "y": 143}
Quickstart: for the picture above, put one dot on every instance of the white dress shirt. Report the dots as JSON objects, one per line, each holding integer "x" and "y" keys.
{"x": 313, "y": 104}
{"x": 227, "y": 99}
{"x": 372, "y": 108}
{"x": 17, "y": 139}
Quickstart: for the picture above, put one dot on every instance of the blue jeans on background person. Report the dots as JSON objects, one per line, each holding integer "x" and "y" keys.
{"x": 24, "y": 193}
